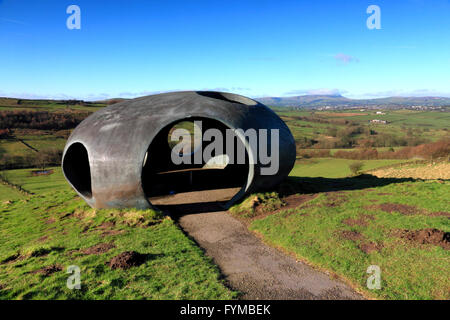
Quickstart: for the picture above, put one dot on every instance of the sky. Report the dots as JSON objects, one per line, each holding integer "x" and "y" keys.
{"x": 130, "y": 48}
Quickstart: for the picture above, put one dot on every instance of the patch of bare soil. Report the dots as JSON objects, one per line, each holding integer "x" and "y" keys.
{"x": 351, "y": 235}
{"x": 50, "y": 221}
{"x": 126, "y": 260}
{"x": 362, "y": 220}
{"x": 42, "y": 239}
{"x": 111, "y": 233}
{"x": 369, "y": 247}
{"x": 427, "y": 236}
{"x": 335, "y": 199}
{"x": 289, "y": 202}
{"x": 99, "y": 248}
{"x": 48, "y": 270}
{"x": 402, "y": 208}
{"x": 106, "y": 229}
{"x": 296, "y": 200}
{"x": 364, "y": 245}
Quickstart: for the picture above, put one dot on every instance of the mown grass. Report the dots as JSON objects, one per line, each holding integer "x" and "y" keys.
{"x": 7, "y": 193}
{"x": 53, "y": 227}
{"x": 314, "y": 232}
{"x": 36, "y": 184}
{"x": 334, "y": 168}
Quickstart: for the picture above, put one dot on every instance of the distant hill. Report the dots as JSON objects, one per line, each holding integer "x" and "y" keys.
{"x": 338, "y": 101}
{"x": 111, "y": 101}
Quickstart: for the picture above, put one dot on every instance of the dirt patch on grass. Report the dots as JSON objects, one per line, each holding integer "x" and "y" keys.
{"x": 111, "y": 233}
{"x": 296, "y": 200}
{"x": 48, "y": 270}
{"x": 42, "y": 239}
{"x": 351, "y": 235}
{"x": 427, "y": 236}
{"x": 406, "y": 210}
{"x": 335, "y": 199}
{"x": 362, "y": 220}
{"x": 50, "y": 221}
{"x": 258, "y": 206}
{"x": 106, "y": 229}
{"x": 365, "y": 246}
{"x": 369, "y": 247}
{"x": 401, "y": 208}
{"x": 99, "y": 248}
{"x": 384, "y": 194}
{"x": 259, "y": 209}
{"x": 126, "y": 260}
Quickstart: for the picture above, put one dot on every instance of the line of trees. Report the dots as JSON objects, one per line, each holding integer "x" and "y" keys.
{"x": 42, "y": 120}
{"x": 434, "y": 150}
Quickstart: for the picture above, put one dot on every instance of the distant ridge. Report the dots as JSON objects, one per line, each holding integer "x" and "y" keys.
{"x": 338, "y": 101}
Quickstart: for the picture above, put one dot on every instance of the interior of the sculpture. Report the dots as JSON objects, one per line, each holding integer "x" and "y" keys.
{"x": 194, "y": 160}
{"x": 77, "y": 170}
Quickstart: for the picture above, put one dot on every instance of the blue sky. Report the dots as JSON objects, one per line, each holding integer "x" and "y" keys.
{"x": 255, "y": 48}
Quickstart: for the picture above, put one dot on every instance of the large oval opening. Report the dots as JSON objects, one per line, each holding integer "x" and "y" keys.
{"x": 77, "y": 170}
{"x": 195, "y": 162}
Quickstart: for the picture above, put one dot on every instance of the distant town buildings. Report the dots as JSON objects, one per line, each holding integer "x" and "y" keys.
{"x": 378, "y": 121}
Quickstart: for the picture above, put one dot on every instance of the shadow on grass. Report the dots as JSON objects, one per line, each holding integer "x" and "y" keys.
{"x": 292, "y": 185}
{"x": 307, "y": 185}
{"x": 178, "y": 210}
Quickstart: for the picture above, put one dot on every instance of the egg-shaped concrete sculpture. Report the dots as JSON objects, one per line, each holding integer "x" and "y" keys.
{"x": 120, "y": 156}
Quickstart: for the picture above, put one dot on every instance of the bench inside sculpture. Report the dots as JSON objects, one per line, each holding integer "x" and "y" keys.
{"x": 162, "y": 179}
{"x": 123, "y": 155}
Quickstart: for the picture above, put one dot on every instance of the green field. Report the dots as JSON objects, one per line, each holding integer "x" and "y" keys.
{"x": 9, "y": 194}
{"x": 11, "y": 104}
{"x": 54, "y": 227}
{"x": 37, "y": 184}
{"x": 334, "y": 168}
{"x": 429, "y": 126}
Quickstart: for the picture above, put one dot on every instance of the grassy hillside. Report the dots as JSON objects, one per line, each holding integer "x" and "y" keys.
{"x": 42, "y": 235}
{"x": 346, "y": 224}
